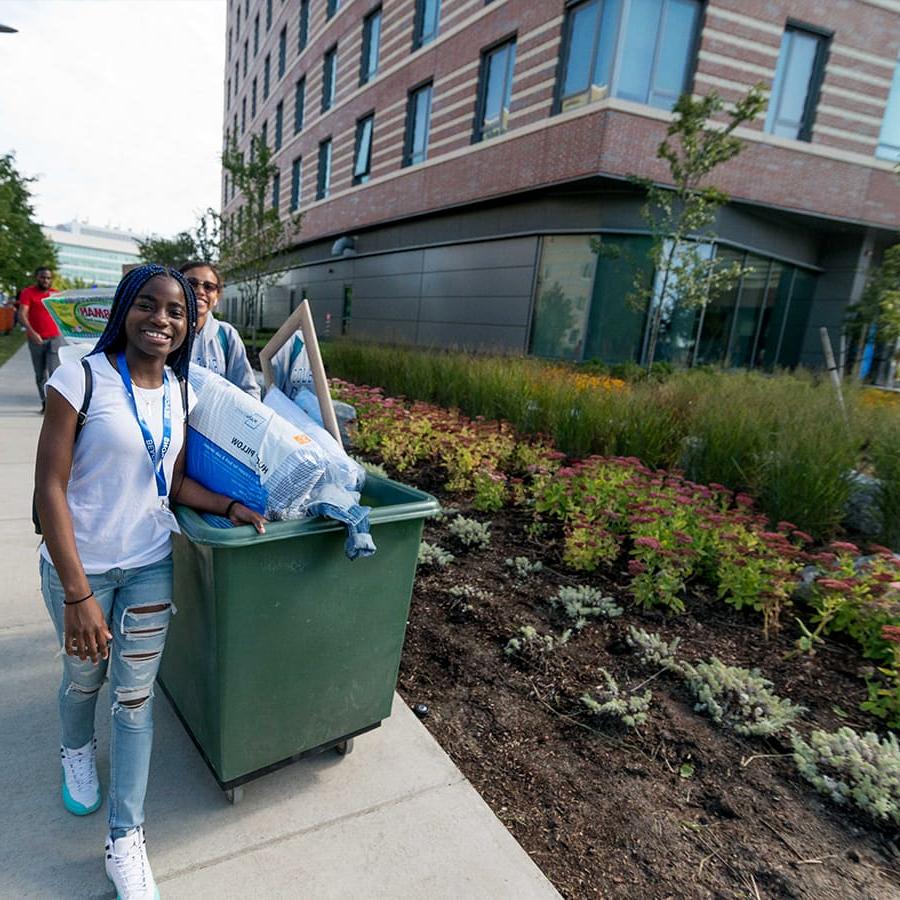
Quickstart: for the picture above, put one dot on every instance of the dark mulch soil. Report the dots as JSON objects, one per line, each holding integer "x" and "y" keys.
{"x": 605, "y": 812}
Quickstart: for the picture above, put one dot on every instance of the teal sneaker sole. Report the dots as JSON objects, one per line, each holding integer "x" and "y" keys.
{"x": 76, "y": 808}
{"x": 155, "y": 896}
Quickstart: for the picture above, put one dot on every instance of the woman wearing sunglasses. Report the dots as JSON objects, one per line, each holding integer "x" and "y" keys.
{"x": 217, "y": 345}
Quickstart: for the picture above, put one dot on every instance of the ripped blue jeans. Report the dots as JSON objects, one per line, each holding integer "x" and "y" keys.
{"x": 137, "y": 645}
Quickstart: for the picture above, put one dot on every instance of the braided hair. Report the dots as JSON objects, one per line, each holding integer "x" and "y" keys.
{"x": 113, "y": 337}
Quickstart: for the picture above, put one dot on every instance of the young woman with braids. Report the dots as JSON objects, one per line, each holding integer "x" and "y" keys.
{"x": 103, "y": 496}
{"x": 217, "y": 345}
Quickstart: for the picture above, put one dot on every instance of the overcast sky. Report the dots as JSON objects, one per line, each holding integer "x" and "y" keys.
{"x": 117, "y": 106}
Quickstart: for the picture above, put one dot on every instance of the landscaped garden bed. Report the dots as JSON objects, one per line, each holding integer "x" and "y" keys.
{"x": 547, "y": 606}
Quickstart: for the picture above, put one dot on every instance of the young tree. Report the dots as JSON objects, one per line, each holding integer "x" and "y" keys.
{"x": 681, "y": 217}
{"x": 880, "y": 306}
{"x": 207, "y": 236}
{"x": 23, "y": 246}
{"x": 257, "y": 235}
{"x": 172, "y": 252}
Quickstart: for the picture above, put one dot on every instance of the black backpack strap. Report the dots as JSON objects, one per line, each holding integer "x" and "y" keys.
{"x": 88, "y": 390}
{"x": 79, "y": 424}
{"x": 182, "y": 383}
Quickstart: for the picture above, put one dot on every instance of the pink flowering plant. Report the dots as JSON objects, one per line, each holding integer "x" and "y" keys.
{"x": 674, "y": 531}
{"x": 857, "y": 597}
{"x": 884, "y": 685}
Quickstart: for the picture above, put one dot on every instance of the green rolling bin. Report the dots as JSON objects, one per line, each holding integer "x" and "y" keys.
{"x": 282, "y": 646}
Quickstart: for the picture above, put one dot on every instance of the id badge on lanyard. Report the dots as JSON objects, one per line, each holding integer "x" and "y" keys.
{"x": 160, "y": 512}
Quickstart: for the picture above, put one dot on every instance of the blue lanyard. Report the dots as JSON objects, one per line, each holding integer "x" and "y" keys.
{"x": 161, "y": 488}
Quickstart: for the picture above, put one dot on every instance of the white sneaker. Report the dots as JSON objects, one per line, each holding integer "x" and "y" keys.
{"x": 80, "y": 787}
{"x": 128, "y": 868}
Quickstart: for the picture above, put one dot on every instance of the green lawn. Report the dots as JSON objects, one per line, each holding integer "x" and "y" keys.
{"x": 9, "y": 343}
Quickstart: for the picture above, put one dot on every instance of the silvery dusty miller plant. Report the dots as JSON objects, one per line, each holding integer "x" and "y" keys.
{"x": 630, "y": 710}
{"x": 470, "y": 532}
{"x": 530, "y": 643}
{"x": 467, "y": 592}
{"x": 522, "y": 566}
{"x": 464, "y": 593}
{"x": 584, "y": 602}
{"x": 853, "y": 768}
{"x": 739, "y": 698}
{"x": 652, "y": 650}
{"x": 432, "y": 555}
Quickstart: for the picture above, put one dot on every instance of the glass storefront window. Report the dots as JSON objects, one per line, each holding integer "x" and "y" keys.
{"x": 678, "y": 325}
{"x": 747, "y": 315}
{"x": 565, "y": 280}
{"x": 615, "y": 327}
{"x": 583, "y": 310}
{"x": 717, "y": 316}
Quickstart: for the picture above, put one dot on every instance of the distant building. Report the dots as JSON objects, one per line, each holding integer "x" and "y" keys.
{"x": 455, "y": 162}
{"x": 93, "y": 254}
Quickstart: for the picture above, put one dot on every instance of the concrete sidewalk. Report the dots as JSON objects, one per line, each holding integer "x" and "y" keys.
{"x": 395, "y": 819}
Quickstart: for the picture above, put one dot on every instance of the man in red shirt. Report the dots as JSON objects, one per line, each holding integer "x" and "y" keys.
{"x": 43, "y": 336}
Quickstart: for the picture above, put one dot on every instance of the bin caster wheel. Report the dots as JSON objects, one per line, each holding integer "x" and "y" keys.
{"x": 344, "y": 748}
{"x": 234, "y": 795}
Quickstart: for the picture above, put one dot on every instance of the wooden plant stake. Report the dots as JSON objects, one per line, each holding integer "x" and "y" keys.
{"x": 301, "y": 320}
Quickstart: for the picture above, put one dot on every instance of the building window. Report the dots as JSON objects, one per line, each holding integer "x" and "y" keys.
{"x": 228, "y": 95}
{"x": 495, "y": 90}
{"x": 889, "y": 139}
{"x": 332, "y": 7}
{"x": 267, "y": 66}
{"x": 246, "y": 52}
{"x": 268, "y": 14}
{"x": 428, "y": 14}
{"x": 237, "y": 24}
{"x": 640, "y": 50}
{"x": 229, "y": 45}
{"x": 279, "y": 116}
{"x": 329, "y": 77}
{"x": 296, "y": 179}
{"x": 237, "y": 75}
{"x": 243, "y": 114}
{"x": 798, "y": 78}
{"x": 253, "y": 99}
{"x": 418, "y": 124}
{"x": 303, "y": 26}
{"x": 370, "y": 44}
{"x": 234, "y": 130}
{"x": 323, "y": 182}
{"x": 299, "y": 102}
{"x": 264, "y": 134}
{"x": 282, "y": 52}
{"x": 276, "y": 190}
{"x": 363, "y": 152}
{"x": 256, "y": 36}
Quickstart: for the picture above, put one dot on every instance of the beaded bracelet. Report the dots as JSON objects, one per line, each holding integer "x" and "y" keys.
{"x": 76, "y": 602}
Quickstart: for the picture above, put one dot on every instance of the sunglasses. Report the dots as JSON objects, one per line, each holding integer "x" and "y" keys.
{"x": 209, "y": 286}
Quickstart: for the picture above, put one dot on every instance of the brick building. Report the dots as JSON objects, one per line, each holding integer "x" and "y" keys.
{"x": 455, "y": 162}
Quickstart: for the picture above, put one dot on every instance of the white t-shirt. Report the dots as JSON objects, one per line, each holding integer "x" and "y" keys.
{"x": 112, "y": 488}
